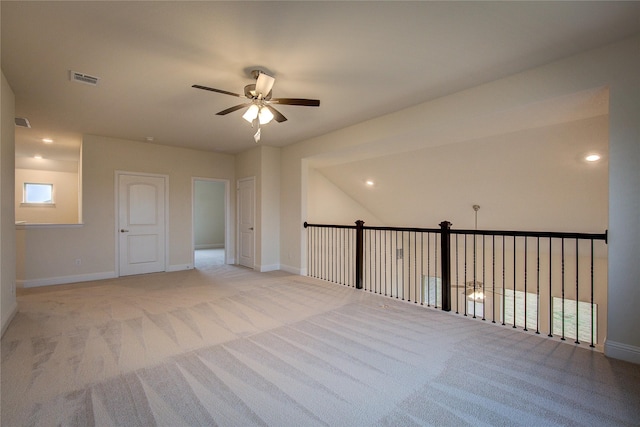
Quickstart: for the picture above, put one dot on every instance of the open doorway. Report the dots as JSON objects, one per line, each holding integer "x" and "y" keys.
{"x": 210, "y": 200}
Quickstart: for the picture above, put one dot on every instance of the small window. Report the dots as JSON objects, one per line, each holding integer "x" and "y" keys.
{"x": 38, "y": 193}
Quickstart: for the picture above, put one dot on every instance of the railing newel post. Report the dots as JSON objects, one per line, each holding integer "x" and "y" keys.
{"x": 359, "y": 252}
{"x": 445, "y": 261}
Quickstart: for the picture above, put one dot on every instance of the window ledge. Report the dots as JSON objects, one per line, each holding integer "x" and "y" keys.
{"x": 21, "y": 225}
{"x": 37, "y": 205}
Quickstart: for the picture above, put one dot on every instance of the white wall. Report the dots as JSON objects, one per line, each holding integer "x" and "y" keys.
{"x": 8, "y": 305}
{"x": 48, "y": 253}
{"x": 446, "y": 119}
{"x": 210, "y": 207}
{"x": 65, "y": 187}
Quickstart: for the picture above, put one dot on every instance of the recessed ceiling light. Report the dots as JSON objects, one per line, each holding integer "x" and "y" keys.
{"x": 47, "y": 140}
{"x": 592, "y": 157}
{"x": 37, "y": 156}
{"x": 370, "y": 183}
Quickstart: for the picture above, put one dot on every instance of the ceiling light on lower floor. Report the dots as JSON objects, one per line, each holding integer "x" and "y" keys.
{"x": 37, "y": 156}
{"x": 47, "y": 140}
{"x": 592, "y": 157}
{"x": 370, "y": 183}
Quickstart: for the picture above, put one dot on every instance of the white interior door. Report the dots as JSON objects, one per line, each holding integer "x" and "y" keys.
{"x": 141, "y": 224}
{"x": 246, "y": 218}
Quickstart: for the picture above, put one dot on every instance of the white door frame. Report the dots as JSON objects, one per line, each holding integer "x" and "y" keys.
{"x": 228, "y": 256}
{"x": 116, "y": 193}
{"x": 238, "y": 219}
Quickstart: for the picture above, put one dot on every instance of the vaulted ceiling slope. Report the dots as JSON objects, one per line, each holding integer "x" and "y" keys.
{"x": 361, "y": 59}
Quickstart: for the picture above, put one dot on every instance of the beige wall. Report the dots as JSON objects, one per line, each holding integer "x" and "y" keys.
{"x": 8, "y": 305}
{"x": 533, "y": 179}
{"x": 49, "y": 253}
{"x": 263, "y": 163}
{"x": 65, "y": 187}
{"x": 468, "y": 115}
{"x": 328, "y": 204}
{"x": 270, "y": 208}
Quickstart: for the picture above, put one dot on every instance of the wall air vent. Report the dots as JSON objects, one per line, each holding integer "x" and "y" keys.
{"x": 83, "y": 78}
{"x": 23, "y": 122}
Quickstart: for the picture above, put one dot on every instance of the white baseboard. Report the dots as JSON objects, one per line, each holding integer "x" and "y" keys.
{"x": 179, "y": 267}
{"x": 7, "y": 320}
{"x": 265, "y": 268}
{"x": 622, "y": 351}
{"x": 62, "y": 280}
{"x": 210, "y": 246}
{"x": 292, "y": 270}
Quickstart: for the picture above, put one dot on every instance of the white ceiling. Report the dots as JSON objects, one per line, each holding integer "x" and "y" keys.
{"x": 361, "y": 59}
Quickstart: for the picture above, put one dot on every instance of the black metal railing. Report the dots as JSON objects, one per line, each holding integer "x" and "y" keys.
{"x": 539, "y": 281}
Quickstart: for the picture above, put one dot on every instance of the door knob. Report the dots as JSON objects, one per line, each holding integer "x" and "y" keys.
{"x": 251, "y": 228}
{"x": 122, "y": 230}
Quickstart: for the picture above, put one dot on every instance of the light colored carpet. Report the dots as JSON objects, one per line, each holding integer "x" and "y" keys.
{"x": 205, "y": 259}
{"x": 228, "y": 346}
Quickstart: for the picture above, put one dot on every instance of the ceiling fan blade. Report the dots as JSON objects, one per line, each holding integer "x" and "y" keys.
{"x": 296, "y": 101}
{"x": 277, "y": 115}
{"x": 232, "y": 109}
{"x": 216, "y": 90}
{"x": 264, "y": 84}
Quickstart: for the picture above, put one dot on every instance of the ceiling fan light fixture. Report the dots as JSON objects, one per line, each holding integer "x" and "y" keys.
{"x": 251, "y": 114}
{"x": 265, "y": 115}
{"x": 264, "y": 83}
{"x": 477, "y": 296}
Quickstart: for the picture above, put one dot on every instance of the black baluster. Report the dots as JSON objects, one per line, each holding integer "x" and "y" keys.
{"x": 422, "y": 269}
{"x": 525, "y": 282}
{"x": 484, "y": 295}
{"x": 415, "y": 268}
{"x": 577, "y": 341}
{"x": 406, "y": 269}
{"x": 514, "y": 282}
{"x": 444, "y": 262}
{"x": 592, "y": 325}
{"x": 397, "y": 266}
{"x": 493, "y": 278}
{"x": 562, "y": 338}
{"x": 385, "y": 263}
{"x": 429, "y": 270}
{"x": 504, "y": 295}
{"x": 475, "y": 282}
{"x": 457, "y": 277}
{"x": 466, "y": 236}
{"x": 538, "y": 286}
{"x": 550, "y": 293}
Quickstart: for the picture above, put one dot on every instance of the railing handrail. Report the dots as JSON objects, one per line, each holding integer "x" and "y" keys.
{"x": 551, "y": 234}
{"x": 306, "y": 224}
{"x": 514, "y": 233}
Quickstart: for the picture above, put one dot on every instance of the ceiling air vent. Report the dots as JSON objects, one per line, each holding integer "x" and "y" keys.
{"x": 23, "y": 122}
{"x": 83, "y": 78}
